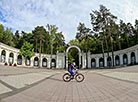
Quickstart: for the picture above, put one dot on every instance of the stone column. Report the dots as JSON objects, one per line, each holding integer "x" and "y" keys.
{"x": 23, "y": 61}
{"x": 66, "y": 60}
{"x": 57, "y": 61}
{"x": 15, "y": 58}
{"x": 121, "y": 59}
{"x": 129, "y": 57}
{"x": 105, "y": 61}
{"x": 0, "y": 53}
{"x": 32, "y": 61}
{"x": 114, "y": 61}
{"x": 136, "y": 55}
{"x": 63, "y": 61}
{"x": 7, "y": 56}
{"x": 83, "y": 60}
{"x": 41, "y": 62}
{"x": 97, "y": 62}
{"x": 48, "y": 62}
{"x": 89, "y": 60}
{"x": 79, "y": 59}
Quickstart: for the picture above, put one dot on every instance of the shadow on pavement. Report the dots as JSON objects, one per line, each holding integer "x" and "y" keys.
{"x": 56, "y": 79}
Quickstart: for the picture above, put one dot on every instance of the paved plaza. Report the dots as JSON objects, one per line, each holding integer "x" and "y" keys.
{"x": 46, "y": 85}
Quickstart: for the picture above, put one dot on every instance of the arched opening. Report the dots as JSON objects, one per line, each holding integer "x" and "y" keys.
{"x": 36, "y": 61}
{"x": 19, "y": 60}
{"x": 3, "y": 56}
{"x": 44, "y": 63}
{"x": 117, "y": 60}
{"x": 11, "y": 58}
{"x": 133, "y": 59}
{"x": 109, "y": 61}
{"x": 27, "y": 61}
{"x": 93, "y": 62}
{"x": 73, "y": 54}
{"x": 125, "y": 60}
{"x": 53, "y": 64}
{"x": 101, "y": 62}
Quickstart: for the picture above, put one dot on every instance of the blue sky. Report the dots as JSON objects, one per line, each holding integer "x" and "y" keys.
{"x": 65, "y": 14}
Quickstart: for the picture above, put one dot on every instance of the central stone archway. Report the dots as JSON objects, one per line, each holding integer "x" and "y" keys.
{"x": 66, "y": 57}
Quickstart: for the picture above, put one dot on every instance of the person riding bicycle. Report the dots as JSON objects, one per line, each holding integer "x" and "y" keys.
{"x": 70, "y": 70}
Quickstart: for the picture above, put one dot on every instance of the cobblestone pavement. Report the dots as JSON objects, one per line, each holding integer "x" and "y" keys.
{"x": 43, "y": 85}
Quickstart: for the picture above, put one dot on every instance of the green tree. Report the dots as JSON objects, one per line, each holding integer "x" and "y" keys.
{"x": 46, "y": 41}
{"x": 124, "y": 38}
{"x": 1, "y": 32}
{"x": 24, "y": 37}
{"x": 73, "y": 56}
{"x": 27, "y": 50}
{"x": 59, "y": 42}
{"x": 99, "y": 44}
{"x": 100, "y": 21}
{"x": 52, "y": 30}
{"x": 35, "y": 37}
{"x": 91, "y": 44}
{"x": 83, "y": 32}
{"x": 70, "y": 58}
{"x": 8, "y": 37}
{"x": 16, "y": 39}
{"x": 74, "y": 42}
{"x": 135, "y": 38}
{"x": 40, "y": 31}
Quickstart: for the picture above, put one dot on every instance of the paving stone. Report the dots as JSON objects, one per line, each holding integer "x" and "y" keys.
{"x": 98, "y": 86}
{"x": 4, "y": 89}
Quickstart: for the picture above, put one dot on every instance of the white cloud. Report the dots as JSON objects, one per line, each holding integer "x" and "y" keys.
{"x": 65, "y": 14}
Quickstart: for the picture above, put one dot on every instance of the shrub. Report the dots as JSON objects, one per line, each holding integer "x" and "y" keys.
{"x": 5, "y": 64}
{"x": 10, "y": 64}
{"x": 15, "y": 64}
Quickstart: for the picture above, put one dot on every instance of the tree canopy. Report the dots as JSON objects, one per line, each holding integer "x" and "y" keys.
{"x": 27, "y": 50}
{"x": 105, "y": 35}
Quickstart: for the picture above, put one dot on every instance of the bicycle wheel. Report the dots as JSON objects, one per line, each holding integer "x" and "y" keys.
{"x": 66, "y": 77}
{"x": 79, "y": 77}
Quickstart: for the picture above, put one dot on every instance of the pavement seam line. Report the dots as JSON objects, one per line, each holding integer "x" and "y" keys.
{"x": 16, "y": 91}
{"x": 117, "y": 78}
{"x": 7, "y": 85}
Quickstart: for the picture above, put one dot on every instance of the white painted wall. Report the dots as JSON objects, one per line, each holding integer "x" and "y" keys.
{"x": 60, "y": 57}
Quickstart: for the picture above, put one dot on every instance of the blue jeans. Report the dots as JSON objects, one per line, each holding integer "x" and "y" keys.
{"x": 71, "y": 72}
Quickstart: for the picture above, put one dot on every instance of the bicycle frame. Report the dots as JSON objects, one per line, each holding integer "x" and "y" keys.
{"x": 77, "y": 76}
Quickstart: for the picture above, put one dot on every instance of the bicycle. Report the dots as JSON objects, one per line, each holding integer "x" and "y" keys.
{"x": 77, "y": 76}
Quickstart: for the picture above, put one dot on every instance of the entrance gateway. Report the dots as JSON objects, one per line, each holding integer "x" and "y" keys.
{"x": 80, "y": 56}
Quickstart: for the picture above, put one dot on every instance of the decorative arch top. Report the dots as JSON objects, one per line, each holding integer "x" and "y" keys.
{"x": 73, "y": 47}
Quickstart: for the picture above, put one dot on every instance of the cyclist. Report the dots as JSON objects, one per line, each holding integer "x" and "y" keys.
{"x": 70, "y": 70}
